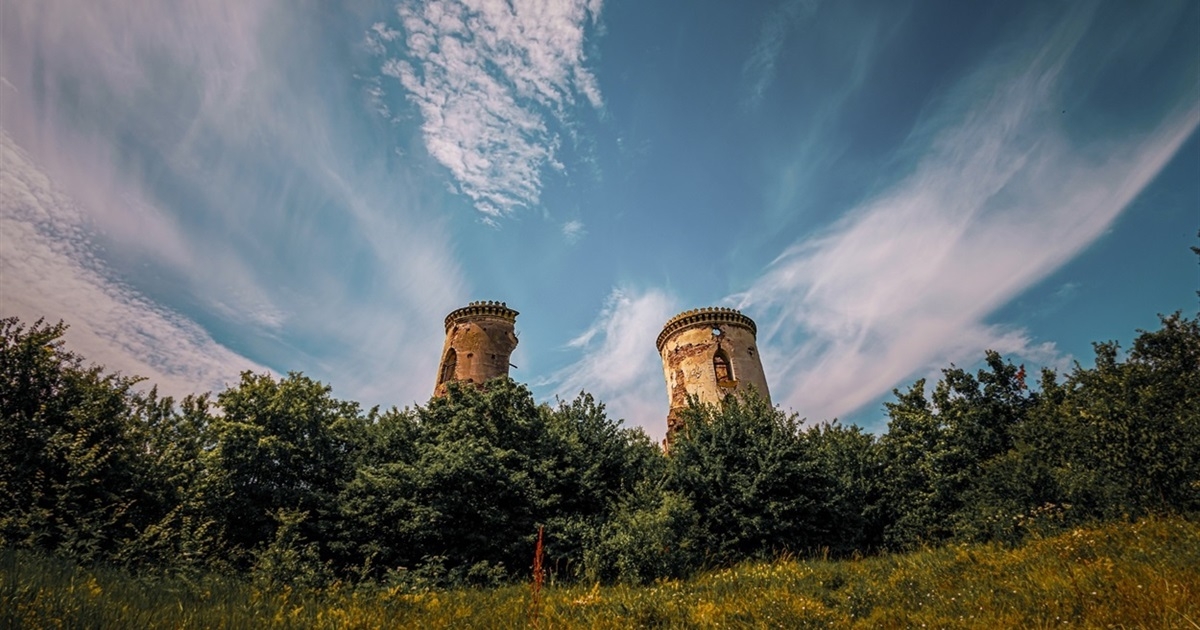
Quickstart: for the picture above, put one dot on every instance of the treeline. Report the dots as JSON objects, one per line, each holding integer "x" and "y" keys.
{"x": 279, "y": 480}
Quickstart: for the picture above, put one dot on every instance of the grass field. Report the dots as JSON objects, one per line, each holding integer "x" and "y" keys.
{"x": 1140, "y": 575}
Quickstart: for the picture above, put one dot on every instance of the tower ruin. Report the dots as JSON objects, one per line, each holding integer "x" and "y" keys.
{"x": 480, "y": 337}
{"x": 709, "y": 353}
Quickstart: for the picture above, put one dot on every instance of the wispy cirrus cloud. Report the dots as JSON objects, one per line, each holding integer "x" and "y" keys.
{"x": 49, "y": 269}
{"x": 573, "y": 230}
{"x": 490, "y": 79}
{"x": 759, "y": 69}
{"x": 999, "y": 198}
{"x": 618, "y": 363}
{"x": 220, "y": 167}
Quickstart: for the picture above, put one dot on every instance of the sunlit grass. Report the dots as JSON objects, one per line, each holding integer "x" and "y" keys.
{"x": 1145, "y": 574}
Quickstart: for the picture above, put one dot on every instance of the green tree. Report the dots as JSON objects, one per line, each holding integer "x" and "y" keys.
{"x": 851, "y": 461}
{"x": 936, "y": 452}
{"x": 479, "y": 478}
{"x": 282, "y": 446}
{"x": 651, "y": 534}
{"x": 751, "y": 477}
{"x": 1123, "y": 438}
{"x": 379, "y": 507}
{"x": 911, "y": 447}
{"x": 180, "y": 533}
{"x": 73, "y": 475}
{"x": 592, "y": 465}
{"x": 455, "y": 490}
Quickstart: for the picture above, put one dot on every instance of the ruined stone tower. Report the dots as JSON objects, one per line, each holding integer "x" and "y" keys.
{"x": 708, "y": 353}
{"x": 479, "y": 340}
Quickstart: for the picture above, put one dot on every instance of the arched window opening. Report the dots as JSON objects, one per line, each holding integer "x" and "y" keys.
{"x": 723, "y": 369}
{"x": 448, "y": 366}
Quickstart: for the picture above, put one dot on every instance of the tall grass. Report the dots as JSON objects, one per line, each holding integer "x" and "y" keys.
{"x": 539, "y": 581}
{"x": 1144, "y": 574}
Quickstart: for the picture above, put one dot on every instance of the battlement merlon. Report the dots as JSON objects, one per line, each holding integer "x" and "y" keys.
{"x": 483, "y": 308}
{"x": 708, "y": 316}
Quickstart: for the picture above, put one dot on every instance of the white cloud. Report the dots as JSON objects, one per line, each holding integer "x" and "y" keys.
{"x": 86, "y": 73}
{"x": 573, "y": 231}
{"x": 48, "y": 269}
{"x": 201, "y": 144}
{"x": 1000, "y": 199}
{"x": 619, "y": 365}
{"x": 485, "y": 76}
{"x": 759, "y": 69}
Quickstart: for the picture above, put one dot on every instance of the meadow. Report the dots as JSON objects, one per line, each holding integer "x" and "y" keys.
{"x": 1144, "y": 574}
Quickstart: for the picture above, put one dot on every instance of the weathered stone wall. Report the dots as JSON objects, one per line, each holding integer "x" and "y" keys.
{"x": 709, "y": 353}
{"x": 480, "y": 339}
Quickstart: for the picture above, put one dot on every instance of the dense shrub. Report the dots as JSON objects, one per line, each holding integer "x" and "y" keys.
{"x": 276, "y": 478}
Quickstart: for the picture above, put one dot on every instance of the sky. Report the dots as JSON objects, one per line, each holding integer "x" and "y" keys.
{"x": 203, "y": 187}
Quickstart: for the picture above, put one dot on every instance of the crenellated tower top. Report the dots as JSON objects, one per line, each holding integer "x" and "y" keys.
{"x": 480, "y": 338}
{"x": 709, "y": 353}
{"x": 701, "y": 317}
{"x": 481, "y": 308}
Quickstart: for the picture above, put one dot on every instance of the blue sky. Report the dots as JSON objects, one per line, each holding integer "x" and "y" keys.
{"x": 200, "y": 188}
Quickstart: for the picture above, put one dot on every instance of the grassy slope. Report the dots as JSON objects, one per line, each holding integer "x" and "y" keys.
{"x": 1119, "y": 575}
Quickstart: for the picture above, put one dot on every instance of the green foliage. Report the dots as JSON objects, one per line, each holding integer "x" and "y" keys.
{"x": 455, "y": 491}
{"x": 593, "y": 465}
{"x": 852, "y": 464}
{"x": 179, "y": 533}
{"x": 378, "y": 508}
{"x": 936, "y": 451}
{"x": 1119, "y": 440}
{"x": 279, "y": 445}
{"x": 73, "y": 473}
{"x": 289, "y": 560}
{"x": 479, "y": 477}
{"x": 278, "y": 480}
{"x": 653, "y": 534}
{"x": 752, "y": 477}
{"x": 987, "y": 459}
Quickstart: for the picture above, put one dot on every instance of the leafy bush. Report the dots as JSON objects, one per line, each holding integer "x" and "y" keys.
{"x": 277, "y": 479}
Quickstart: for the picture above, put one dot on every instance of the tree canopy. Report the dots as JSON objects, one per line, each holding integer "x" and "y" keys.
{"x": 276, "y": 478}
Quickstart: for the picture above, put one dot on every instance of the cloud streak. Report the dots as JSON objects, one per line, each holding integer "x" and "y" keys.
{"x": 573, "y": 231}
{"x": 759, "y": 69}
{"x": 998, "y": 199}
{"x": 489, "y": 78}
{"x": 218, "y": 166}
{"x": 618, "y": 363}
{"x": 50, "y": 269}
